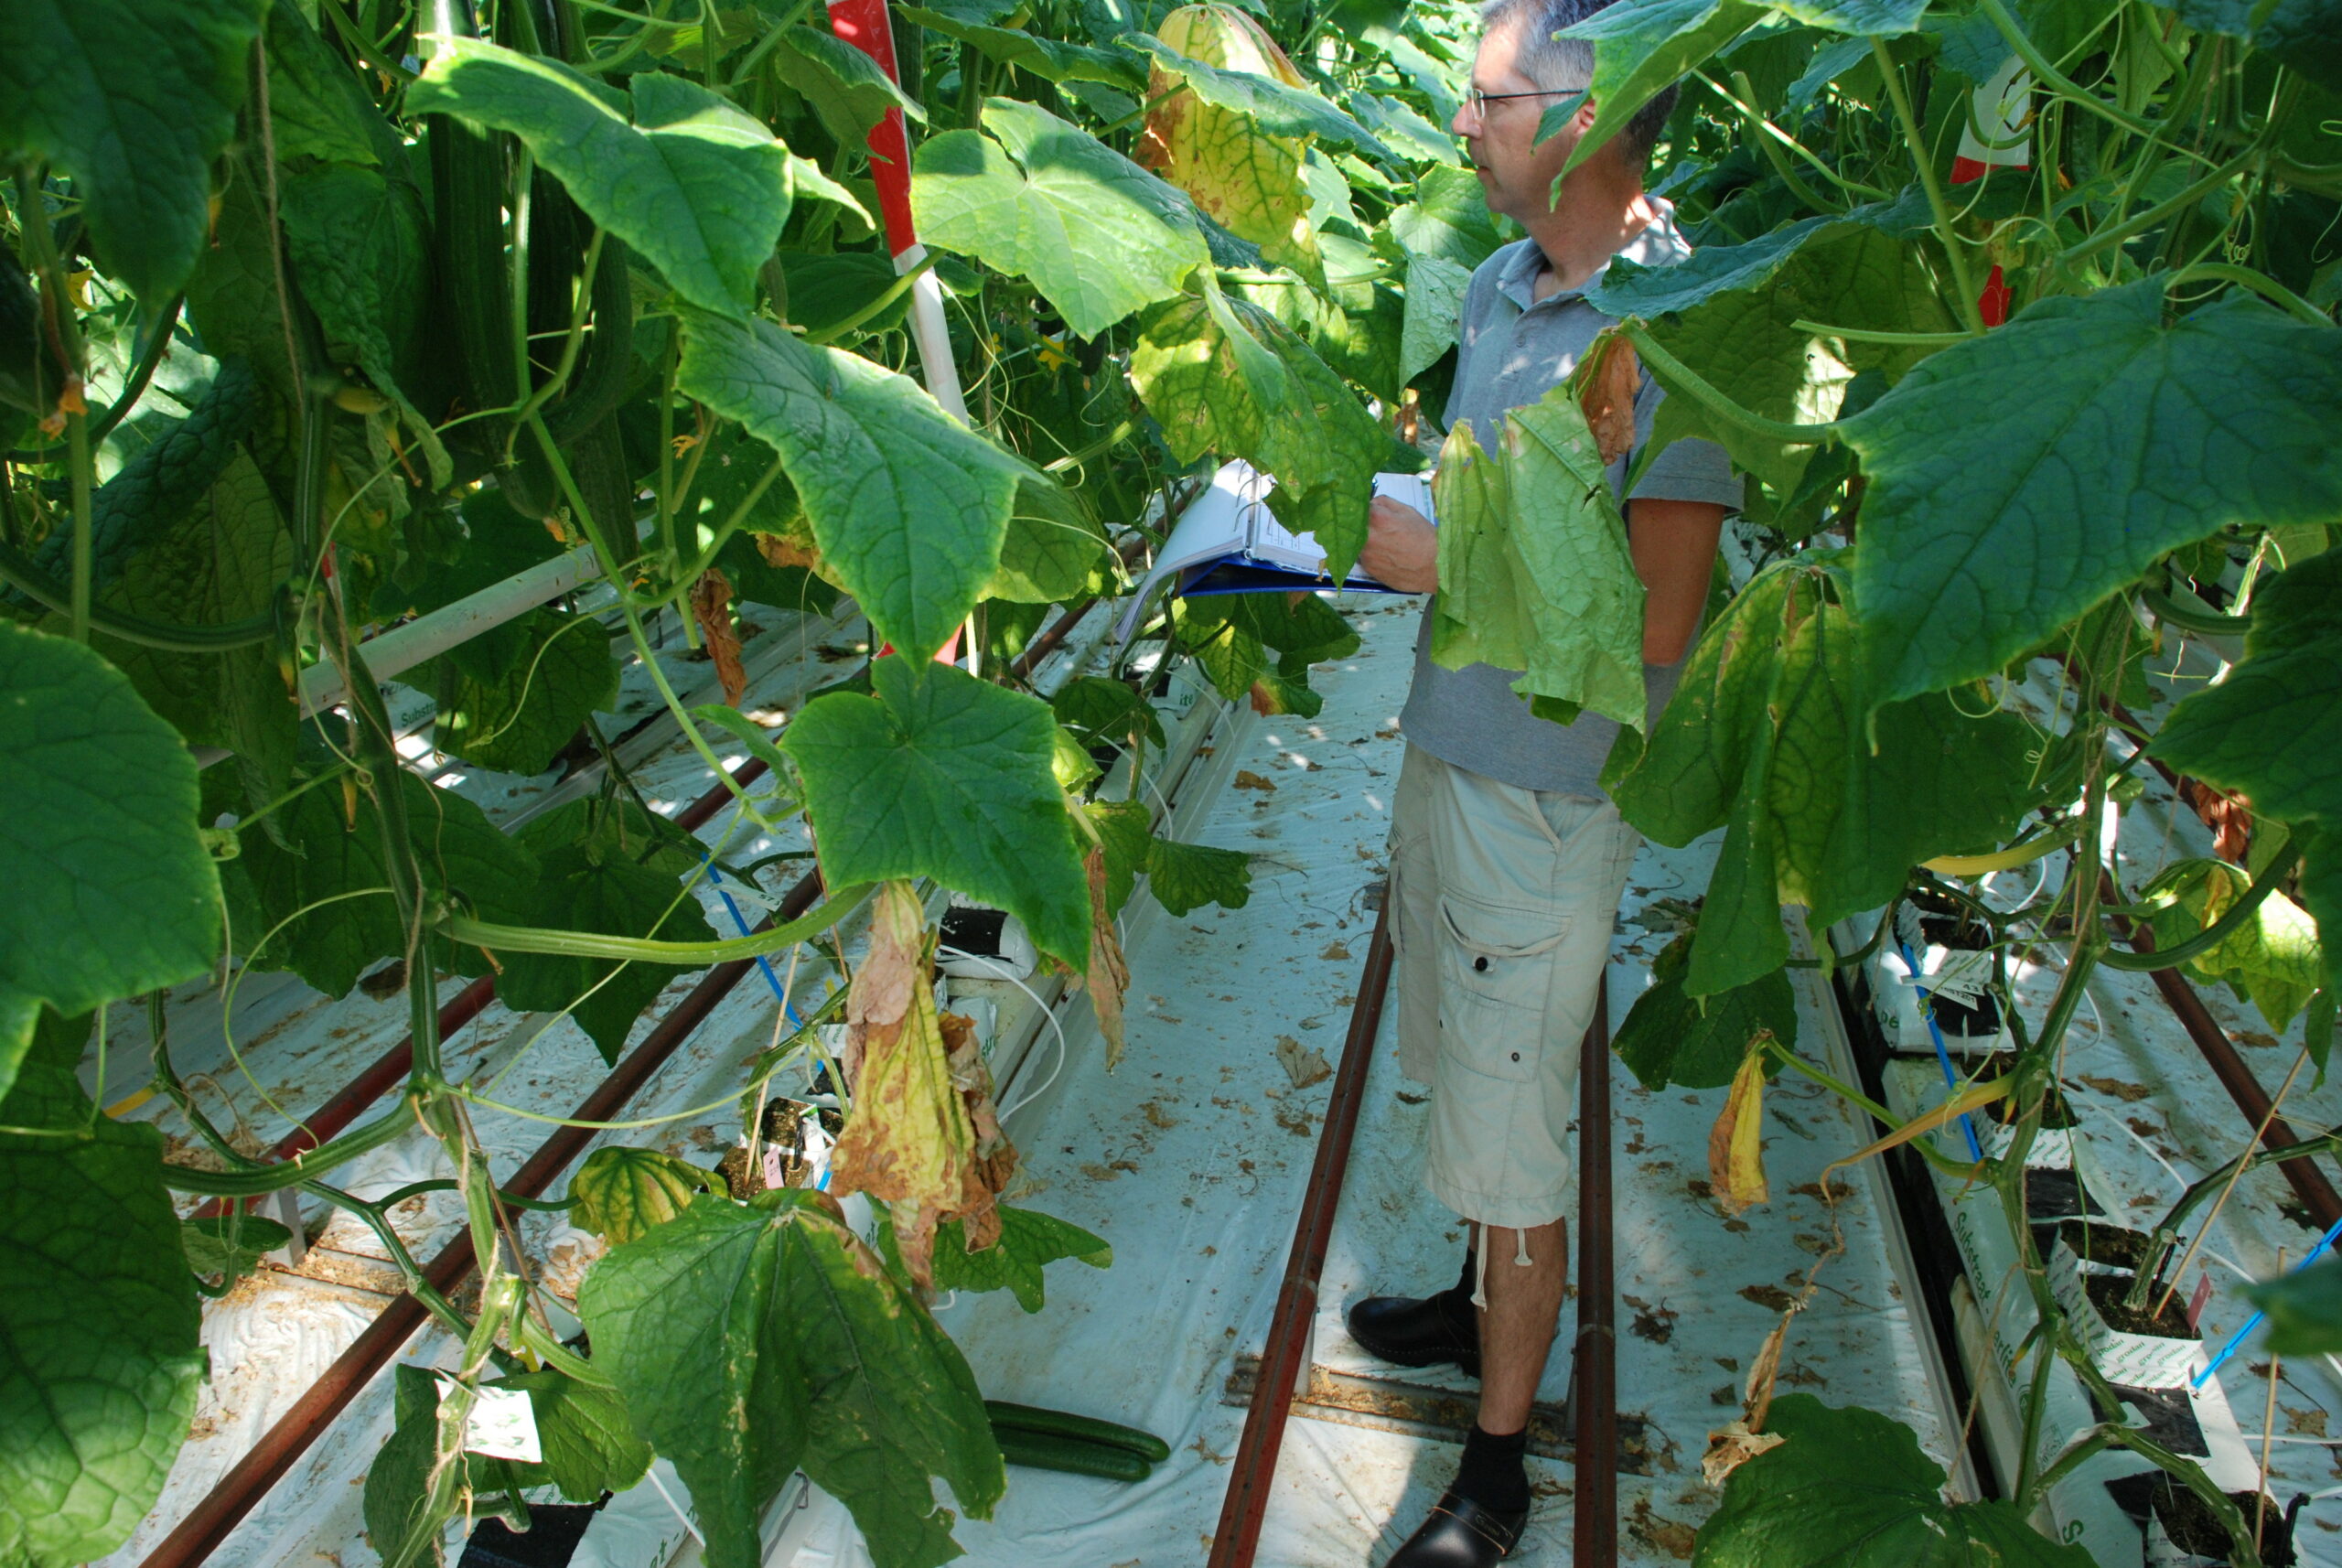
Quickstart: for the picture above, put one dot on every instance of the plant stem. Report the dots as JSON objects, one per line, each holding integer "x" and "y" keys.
{"x": 1681, "y": 378}
{"x": 632, "y": 949}
{"x": 2236, "y": 1174}
{"x": 257, "y": 1179}
{"x": 2231, "y": 921}
{"x": 1969, "y": 309}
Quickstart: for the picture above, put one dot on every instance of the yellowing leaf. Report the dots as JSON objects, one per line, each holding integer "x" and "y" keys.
{"x": 1249, "y": 182}
{"x": 907, "y": 1142}
{"x": 624, "y": 1193}
{"x": 1534, "y": 574}
{"x": 1736, "y": 1143}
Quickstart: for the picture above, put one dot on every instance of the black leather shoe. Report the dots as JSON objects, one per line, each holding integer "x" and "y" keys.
{"x": 1415, "y": 1331}
{"x": 1460, "y": 1534}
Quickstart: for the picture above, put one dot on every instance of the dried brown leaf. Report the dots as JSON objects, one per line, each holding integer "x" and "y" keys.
{"x": 712, "y": 607}
{"x": 1304, "y": 1066}
{"x": 908, "y": 1142}
{"x": 1108, "y": 977}
{"x": 1606, "y": 395}
{"x": 1736, "y": 1144}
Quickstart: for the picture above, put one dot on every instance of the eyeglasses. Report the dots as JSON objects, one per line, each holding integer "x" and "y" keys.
{"x": 1480, "y": 100}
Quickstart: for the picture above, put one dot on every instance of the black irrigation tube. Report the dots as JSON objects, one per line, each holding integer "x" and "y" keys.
{"x": 213, "y": 1518}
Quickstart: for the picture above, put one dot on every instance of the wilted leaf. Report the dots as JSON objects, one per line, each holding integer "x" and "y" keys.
{"x": 1534, "y": 573}
{"x": 1607, "y": 382}
{"x": 2274, "y": 958}
{"x": 231, "y": 1245}
{"x": 1736, "y": 1143}
{"x": 1108, "y": 976}
{"x": 907, "y": 1142}
{"x": 826, "y": 1360}
{"x": 1671, "y": 1037}
{"x": 1029, "y": 1241}
{"x": 712, "y": 608}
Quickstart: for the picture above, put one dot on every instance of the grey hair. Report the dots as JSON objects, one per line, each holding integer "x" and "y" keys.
{"x": 1566, "y": 65}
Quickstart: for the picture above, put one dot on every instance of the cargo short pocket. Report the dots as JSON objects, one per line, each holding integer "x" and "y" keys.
{"x": 1495, "y": 968}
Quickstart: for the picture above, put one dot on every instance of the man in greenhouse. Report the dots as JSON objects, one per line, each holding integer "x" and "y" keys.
{"x": 1507, "y": 860}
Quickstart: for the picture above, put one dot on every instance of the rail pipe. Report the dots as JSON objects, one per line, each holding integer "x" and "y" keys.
{"x": 1285, "y": 1359}
{"x": 1041, "y": 647}
{"x": 402, "y": 647}
{"x": 212, "y": 1520}
{"x": 387, "y": 1070}
{"x": 1594, "y": 1526}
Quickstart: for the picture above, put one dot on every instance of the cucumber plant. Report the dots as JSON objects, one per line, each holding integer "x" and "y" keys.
{"x": 400, "y": 299}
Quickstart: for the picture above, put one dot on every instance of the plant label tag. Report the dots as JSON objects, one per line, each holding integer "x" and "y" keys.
{"x": 2196, "y": 1303}
{"x": 503, "y": 1425}
{"x": 1958, "y": 974}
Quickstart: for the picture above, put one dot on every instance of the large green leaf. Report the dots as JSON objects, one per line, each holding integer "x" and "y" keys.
{"x": 1992, "y": 520}
{"x": 1187, "y": 876}
{"x": 2273, "y": 958}
{"x": 1534, "y": 574}
{"x": 317, "y": 107}
{"x": 517, "y": 716}
{"x": 2304, "y": 34}
{"x": 1436, "y": 288}
{"x": 908, "y": 505}
{"x": 360, "y": 246}
{"x": 589, "y": 1447}
{"x": 220, "y": 560}
{"x": 807, "y": 1353}
{"x": 1047, "y": 59}
{"x": 1670, "y": 1037}
{"x": 1731, "y": 311}
{"x": 110, "y": 889}
{"x": 1639, "y": 51}
{"x": 846, "y": 88}
{"x": 100, "y": 1361}
{"x": 2305, "y": 1310}
{"x": 1029, "y": 1241}
{"x": 1876, "y": 18}
{"x": 1095, "y": 233}
{"x": 1448, "y": 218}
{"x": 1226, "y": 379}
{"x": 1054, "y": 551}
{"x": 132, "y": 100}
{"x": 939, "y": 774}
{"x": 597, "y": 885}
{"x": 1765, "y": 738}
{"x": 696, "y": 188}
{"x": 327, "y": 889}
{"x": 1849, "y": 1487}
{"x": 2269, "y": 732}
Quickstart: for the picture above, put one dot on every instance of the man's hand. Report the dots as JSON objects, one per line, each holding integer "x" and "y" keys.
{"x": 1402, "y": 547}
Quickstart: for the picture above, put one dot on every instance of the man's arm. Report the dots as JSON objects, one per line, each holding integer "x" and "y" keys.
{"x": 1674, "y": 547}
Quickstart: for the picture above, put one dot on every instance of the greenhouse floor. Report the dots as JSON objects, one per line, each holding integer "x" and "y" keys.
{"x": 1191, "y": 1158}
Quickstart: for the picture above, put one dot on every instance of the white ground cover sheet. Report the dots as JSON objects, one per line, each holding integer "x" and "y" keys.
{"x": 1192, "y": 1159}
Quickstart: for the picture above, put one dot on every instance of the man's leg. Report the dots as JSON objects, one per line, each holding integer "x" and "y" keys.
{"x": 1517, "y": 1325}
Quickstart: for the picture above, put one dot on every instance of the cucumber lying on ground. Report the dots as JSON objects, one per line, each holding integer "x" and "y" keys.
{"x": 1087, "y": 1429}
{"x": 1046, "y": 1451}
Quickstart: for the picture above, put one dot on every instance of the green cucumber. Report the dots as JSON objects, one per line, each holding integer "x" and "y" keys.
{"x": 1089, "y": 1429}
{"x": 1046, "y": 1451}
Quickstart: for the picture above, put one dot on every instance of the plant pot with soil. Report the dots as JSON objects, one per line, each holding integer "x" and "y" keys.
{"x": 2150, "y": 1347}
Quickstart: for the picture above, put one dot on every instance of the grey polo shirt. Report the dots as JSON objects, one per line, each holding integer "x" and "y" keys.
{"x": 1516, "y": 349}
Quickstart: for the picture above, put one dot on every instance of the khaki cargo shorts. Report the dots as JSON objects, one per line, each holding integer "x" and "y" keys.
{"x": 1503, "y": 901}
